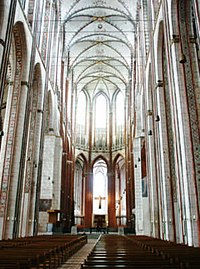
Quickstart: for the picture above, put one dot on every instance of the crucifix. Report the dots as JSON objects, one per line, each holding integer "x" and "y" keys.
{"x": 100, "y": 198}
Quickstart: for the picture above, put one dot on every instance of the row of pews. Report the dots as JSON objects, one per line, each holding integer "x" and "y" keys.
{"x": 139, "y": 252}
{"x": 39, "y": 252}
{"x": 181, "y": 256}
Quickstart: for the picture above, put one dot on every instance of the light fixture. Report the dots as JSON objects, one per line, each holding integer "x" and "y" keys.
{"x": 100, "y": 26}
{"x": 157, "y": 118}
{"x": 159, "y": 83}
{"x": 149, "y": 112}
{"x": 182, "y": 58}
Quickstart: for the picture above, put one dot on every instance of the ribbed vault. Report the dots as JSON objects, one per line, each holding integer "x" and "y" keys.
{"x": 99, "y": 45}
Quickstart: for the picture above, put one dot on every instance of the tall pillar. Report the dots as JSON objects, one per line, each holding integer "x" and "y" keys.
{"x": 89, "y": 180}
{"x": 88, "y": 198}
{"x": 191, "y": 178}
{"x": 111, "y": 198}
{"x": 111, "y": 178}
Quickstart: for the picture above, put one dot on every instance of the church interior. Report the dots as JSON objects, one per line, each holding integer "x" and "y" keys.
{"x": 100, "y": 125}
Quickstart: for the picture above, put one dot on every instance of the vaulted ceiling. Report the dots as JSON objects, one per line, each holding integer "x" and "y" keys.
{"x": 99, "y": 38}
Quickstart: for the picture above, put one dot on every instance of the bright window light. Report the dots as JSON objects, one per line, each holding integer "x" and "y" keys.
{"x": 120, "y": 109}
{"x": 81, "y": 109}
{"x": 101, "y": 112}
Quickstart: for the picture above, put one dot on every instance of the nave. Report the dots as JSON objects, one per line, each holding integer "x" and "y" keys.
{"x": 100, "y": 119}
{"x": 96, "y": 251}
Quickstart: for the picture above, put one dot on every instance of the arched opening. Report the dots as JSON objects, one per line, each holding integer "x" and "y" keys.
{"x": 100, "y": 193}
{"x": 79, "y": 190}
{"x": 101, "y": 119}
{"x": 81, "y": 120}
{"x": 118, "y": 123}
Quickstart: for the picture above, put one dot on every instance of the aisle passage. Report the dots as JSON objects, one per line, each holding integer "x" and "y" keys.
{"x": 78, "y": 258}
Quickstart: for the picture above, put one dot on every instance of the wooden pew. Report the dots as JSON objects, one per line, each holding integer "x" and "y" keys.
{"x": 114, "y": 251}
{"x": 39, "y": 252}
{"x": 181, "y": 255}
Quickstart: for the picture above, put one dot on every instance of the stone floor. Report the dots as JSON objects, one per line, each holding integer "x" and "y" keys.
{"x": 78, "y": 258}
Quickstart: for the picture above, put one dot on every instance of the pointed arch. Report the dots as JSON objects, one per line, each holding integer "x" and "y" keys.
{"x": 79, "y": 189}
{"x": 118, "y": 120}
{"x": 118, "y": 157}
{"x": 82, "y": 158}
{"x": 100, "y": 126}
{"x": 100, "y": 189}
{"x": 100, "y": 110}
{"x": 99, "y": 157}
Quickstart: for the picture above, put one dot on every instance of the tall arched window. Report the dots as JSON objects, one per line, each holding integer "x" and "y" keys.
{"x": 119, "y": 119}
{"x": 78, "y": 192}
{"x": 120, "y": 109}
{"x": 81, "y": 109}
{"x": 81, "y": 126}
{"x": 100, "y": 112}
{"x": 101, "y": 122}
{"x": 100, "y": 190}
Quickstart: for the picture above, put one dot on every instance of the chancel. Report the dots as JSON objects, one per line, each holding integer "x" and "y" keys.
{"x": 100, "y": 120}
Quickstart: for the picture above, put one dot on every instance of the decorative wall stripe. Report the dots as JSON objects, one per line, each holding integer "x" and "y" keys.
{"x": 185, "y": 10}
{"x": 7, "y": 169}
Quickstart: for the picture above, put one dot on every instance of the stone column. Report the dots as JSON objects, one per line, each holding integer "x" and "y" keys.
{"x": 111, "y": 198}
{"x": 89, "y": 179}
{"x": 88, "y": 198}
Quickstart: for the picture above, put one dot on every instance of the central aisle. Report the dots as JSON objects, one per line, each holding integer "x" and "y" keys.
{"x": 75, "y": 261}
